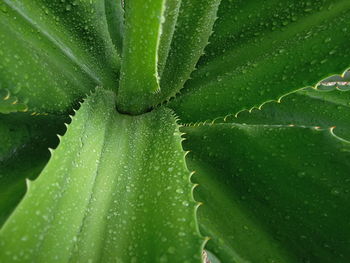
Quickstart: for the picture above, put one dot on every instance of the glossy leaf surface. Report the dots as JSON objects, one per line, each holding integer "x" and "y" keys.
{"x": 115, "y": 20}
{"x": 24, "y": 143}
{"x": 187, "y": 28}
{"x": 116, "y": 189}
{"x": 53, "y": 52}
{"x": 307, "y": 107}
{"x": 271, "y": 193}
{"x": 274, "y": 187}
{"x": 261, "y": 50}
{"x": 171, "y": 13}
{"x": 193, "y": 28}
{"x": 139, "y": 70}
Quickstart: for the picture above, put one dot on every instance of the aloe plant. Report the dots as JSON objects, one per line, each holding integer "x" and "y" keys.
{"x": 188, "y": 131}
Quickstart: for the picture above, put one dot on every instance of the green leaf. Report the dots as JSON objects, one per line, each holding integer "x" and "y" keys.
{"x": 307, "y": 107}
{"x": 116, "y": 189}
{"x": 261, "y": 50}
{"x": 53, "y": 52}
{"x": 115, "y": 20}
{"x": 139, "y": 75}
{"x": 193, "y": 28}
{"x": 171, "y": 12}
{"x": 187, "y": 27}
{"x": 24, "y": 141}
{"x": 272, "y": 193}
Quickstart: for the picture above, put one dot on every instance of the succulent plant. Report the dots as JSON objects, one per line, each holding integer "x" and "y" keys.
{"x": 188, "y": 131}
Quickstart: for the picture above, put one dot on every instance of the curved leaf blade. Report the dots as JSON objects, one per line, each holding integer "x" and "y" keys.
{"x": 171, "y": 13}
{"x": 272, "y": 193}
{"x": 187, "y": 26}
{"x": 115, "y": 21}
{"x": 116, "y": 189}
{"x": 306, "y": 107}
{"x": 24, "y": 143}
{"x": 261, "y": 50}
{"x": 193, "y": 28}
{"x": 56, "y": 52}
{"x": 139, "y": 73}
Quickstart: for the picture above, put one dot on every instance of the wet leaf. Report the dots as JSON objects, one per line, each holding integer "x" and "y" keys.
{"x": 24, "y": 143}
{"x": 272, "y": 193}
{"x": 116, "y": 189}
{"x": 306, "y": 107}
{"x": 261, "y": 50}
{"x": 54, "y": 52}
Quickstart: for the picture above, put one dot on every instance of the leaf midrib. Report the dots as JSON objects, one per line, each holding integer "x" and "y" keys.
{"x": 92, "y": 191}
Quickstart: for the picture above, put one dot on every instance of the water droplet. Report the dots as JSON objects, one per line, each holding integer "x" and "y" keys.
{"x": 179, "y": 191}
{"x": 171, "y": 250}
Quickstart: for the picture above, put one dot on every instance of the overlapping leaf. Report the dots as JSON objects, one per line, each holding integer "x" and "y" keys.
{"x": 193, "y": 28}
{"x": 115, "y": 20}
{"x": 24, "y": 143}
{"x": 54, "y": 52}
{"x": 272, "y": 193}
{"x": 139, "y": 71}
{"x": 261, "y": 50}
{"x": 116, "y": 189}
{"x": 185, "y": 28}
{"x": 273, "y": 175}
{"x": 307, "y": 107}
